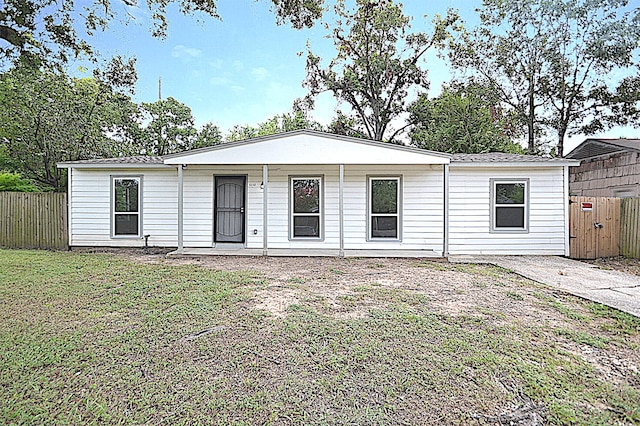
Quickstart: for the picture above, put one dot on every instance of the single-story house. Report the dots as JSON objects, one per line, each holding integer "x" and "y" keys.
{"x": 313, "y": 193}
{"x": 608, "y": 168}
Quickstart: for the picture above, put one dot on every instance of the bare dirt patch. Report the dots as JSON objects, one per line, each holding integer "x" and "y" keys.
{"x": 621, "y": 264}
{"x": 397, "y": 335}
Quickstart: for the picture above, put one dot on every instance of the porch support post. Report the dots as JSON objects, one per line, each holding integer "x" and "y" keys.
{"x": 341, "y": 208}
{"x": 265, "y": 209}
{"x": 70, "y": 206}
{"x": 180, "y": 209}
{"x": 445, "y": 213}
{"x": 565, "y": 176}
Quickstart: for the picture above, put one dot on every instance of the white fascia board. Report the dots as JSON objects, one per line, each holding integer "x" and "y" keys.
{"x": 302, "y": 148}
{"x": 524, "y": 164}
{"x": 111, "y": 166}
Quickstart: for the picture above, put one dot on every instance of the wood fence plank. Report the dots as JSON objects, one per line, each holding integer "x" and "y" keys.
{"x": 33, "y": 220}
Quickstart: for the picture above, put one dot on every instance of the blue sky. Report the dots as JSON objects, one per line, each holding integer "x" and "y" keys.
{"x": 244, "y": 68}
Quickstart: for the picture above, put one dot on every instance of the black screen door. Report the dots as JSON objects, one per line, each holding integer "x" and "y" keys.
{"x": 229, "y": 211}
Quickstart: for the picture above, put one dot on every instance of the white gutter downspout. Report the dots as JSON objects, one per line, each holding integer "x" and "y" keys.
{"x": 69, "y": 205}
{"x": 180, "y": 209}
{"x": 445, "y": 201}
{"x": 341, "y": 207}
{"x": 265, "y": 209}
{"x": 566, "y": 211}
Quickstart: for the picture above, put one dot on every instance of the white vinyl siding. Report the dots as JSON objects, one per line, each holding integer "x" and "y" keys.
{"x": 421, "y": 200}
{"x": 198, "y": 204}
{"x": 91, "y": 211}
{"x": 279, "y": 216}
{"x": 470, "y": 211}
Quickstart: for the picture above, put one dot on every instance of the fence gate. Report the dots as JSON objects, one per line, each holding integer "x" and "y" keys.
{"x": 594, "y": 227}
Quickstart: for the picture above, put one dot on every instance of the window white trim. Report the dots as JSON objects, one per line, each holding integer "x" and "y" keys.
{"x": 113, "y": 212}
{"x": 398, "y": 214}
{"x": 494, "y": 206}
{"x": 319, "y": 214}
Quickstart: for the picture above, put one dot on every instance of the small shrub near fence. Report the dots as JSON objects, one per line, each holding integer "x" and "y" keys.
{"x": 33, "y": 220}
{"x": 630, "y": 228}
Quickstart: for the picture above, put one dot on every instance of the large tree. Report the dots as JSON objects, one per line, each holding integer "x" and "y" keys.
{"x": 47, "y": 117}
{"x": 168, "y": 127}
{"x": 591, "y": 45}
{"x": 378, "y": 62}
{"x": 46, "y": 31}
{"x": 295, "y": 120}
{"x": 560, "y": 64}
{"x": 506, "y": 55}
{"x": 463, "y": 119}
{"x": 208, "y": 135}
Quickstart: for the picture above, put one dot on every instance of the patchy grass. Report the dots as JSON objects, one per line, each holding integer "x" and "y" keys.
{"x": 98, "y": 339}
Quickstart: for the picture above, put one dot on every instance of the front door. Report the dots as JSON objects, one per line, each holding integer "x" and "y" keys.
{"x": 229, "y": 209}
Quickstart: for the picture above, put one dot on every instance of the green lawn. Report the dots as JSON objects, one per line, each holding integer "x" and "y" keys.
{"x": 98, "y": 339}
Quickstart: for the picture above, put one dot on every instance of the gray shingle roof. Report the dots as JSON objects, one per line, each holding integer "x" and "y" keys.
{"x": 597, "y": 147}
{"x": 138, "y": 159}
{"x": 501, "y": 157}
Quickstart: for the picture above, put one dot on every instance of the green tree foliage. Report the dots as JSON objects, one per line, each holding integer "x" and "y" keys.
{"x": 42, "y": 31}
{"x": 505, "y": 51}
{"x": 591, "y": 45}
{"x": 14, "y": 182}
{"x": 296, "y": 120}
{"x": 463, "y": 119}
{"x": 378, "y": 61}
{"x": 169, "y": 127}
{"x": 47, "y": 117}
{"x": 564, "y": 66}
{"x": 208, "y": 135}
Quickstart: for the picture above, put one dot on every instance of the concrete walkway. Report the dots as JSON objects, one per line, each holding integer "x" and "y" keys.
{"x": 611, "y": 288}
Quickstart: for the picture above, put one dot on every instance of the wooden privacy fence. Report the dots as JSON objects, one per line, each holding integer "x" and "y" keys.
{"x": 594, "y": 227}
{"x": 630, "y": 228}
{"x": 33, "y": 220}
{"x": 603, "y": 227}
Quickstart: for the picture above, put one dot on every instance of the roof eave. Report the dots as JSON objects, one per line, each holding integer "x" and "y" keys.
{"x": 73, "y": 165}
{"x": 515, "y": 163}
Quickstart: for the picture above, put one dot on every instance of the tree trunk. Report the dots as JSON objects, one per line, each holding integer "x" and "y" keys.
{"x": 532, "y": 116}
{"x": 531, "y": 143}
{"x": 562, "y": 131}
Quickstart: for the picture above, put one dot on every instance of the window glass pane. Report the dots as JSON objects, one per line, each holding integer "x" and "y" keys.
{"x": 306, "y": 226}
{"x": 384, "y": 196}
{"x": 126, "y": 224}
{"x": 510, "y": 193}
{"x": 509, "y": 217}
{"x": 306, "y": 195}
{"x": 384, "y": 227}
{"x": 126, "y": 198}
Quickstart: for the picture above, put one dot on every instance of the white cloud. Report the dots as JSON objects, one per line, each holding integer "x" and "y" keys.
{"x": 217, "y": 64}
{"x": 220, "y": 81}
{"x": 260, "y": 74}
{"x": 185, "y": 52}
{"x": 237, "y": 65}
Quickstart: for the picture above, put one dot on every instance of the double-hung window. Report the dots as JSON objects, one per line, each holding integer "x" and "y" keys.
{"x": 384, "y": 208}
{"x": 510, "y": 205}
{"x": 125, "y": 201}
{"x": 306, "y": 207}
